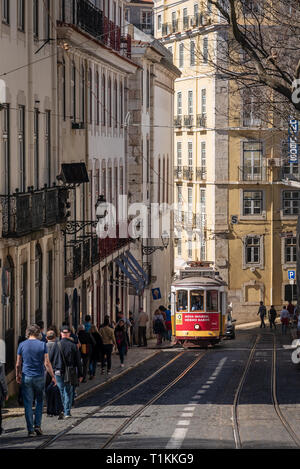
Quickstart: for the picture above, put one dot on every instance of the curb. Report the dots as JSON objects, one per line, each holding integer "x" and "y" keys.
{"x": 14, "y": 414}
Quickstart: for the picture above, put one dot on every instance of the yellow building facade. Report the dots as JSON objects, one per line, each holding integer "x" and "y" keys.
{"x": 233, "y": 208}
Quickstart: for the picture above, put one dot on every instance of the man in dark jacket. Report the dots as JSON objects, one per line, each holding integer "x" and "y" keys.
{"x": 86, "y": 349}
{"x": 65, "y": 354}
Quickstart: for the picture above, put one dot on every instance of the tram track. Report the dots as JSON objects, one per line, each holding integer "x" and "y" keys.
{"x": 273, "y": 386}
{"x": 50, "y": 441}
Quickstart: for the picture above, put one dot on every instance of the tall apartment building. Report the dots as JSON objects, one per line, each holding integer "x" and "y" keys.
{"x": 233, "y": 208}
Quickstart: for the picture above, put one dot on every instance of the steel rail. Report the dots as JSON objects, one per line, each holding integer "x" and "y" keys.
{"x": 106, "y": 404}
{"x": 236, "y": 432}
{"x": 138, "y": 412}
{"x": 283, "y": 420}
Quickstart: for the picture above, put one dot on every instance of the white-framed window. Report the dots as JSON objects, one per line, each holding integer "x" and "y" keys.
{"x": 190, "y": 154}
{"x": 203, "y": 155}
{"x": 290, "y": 250}
{"x": 22, "y": 156}
{"x": 179, "y": 103}
{"x": 290, "y": 202}
{"x": 146, "y": 19}
{"x": 205, "y": 50}
{"x": 190, "y": 102}
{"x": 252, "y": 202}
{"x": 179, "y": 154}
{"x": 203, "y": 102}
{"x": 181, "y": 55}
{"x": 253, "y": 251}
{"x": 159, "y": 22}
{"x": 192, "y": 53}
{"x": 252, "y": 161}
{"x": 251, "y": 107}
{"x": 6, "y": 146}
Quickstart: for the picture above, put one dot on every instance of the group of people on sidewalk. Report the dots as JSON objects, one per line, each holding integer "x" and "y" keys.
{"x": 289, "y": 317}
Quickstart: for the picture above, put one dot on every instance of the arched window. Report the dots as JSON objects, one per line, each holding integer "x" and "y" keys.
{"x": 103, "y": 99}
{"x": 38, "y": 283}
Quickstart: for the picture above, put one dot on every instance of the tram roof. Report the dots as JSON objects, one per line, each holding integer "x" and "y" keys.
{"x": 198, "y": 282}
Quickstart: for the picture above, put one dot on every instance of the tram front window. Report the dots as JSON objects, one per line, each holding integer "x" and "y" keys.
{"x": 197, "y": 300}
{"x": 182, "y": 300}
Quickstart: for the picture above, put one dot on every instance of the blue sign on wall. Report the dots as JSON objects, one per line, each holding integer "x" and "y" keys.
{"x": 292, "y": 274}
{"x": 156, "y": 294}
{"x": 293, "y": 140}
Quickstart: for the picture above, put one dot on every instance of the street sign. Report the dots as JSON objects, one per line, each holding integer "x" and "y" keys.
{"x": 292, "y": 274}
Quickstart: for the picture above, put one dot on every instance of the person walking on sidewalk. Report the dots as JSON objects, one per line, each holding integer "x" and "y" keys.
{"x": 121, "y": 340}
{"x": 272, "y": 317}
{"x": 96, "y": 351}
{"x": 32, "y": 359}
{"x": 262, "y": 312}
{"x": 159, "y": 327}
{"x": 86, "y": 349}
{"x": 3, "y": 392}
{"x": 53, "y": 397}
{"x": 109, "y": 341}
{"x": 284, "y": 318}
{"x": 142, "y": 331}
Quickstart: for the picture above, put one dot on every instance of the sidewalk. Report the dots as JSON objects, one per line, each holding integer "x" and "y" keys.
{"x": 136, "y": 356}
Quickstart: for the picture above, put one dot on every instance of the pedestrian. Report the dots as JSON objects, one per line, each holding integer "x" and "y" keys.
{"x": 142, "y": 331}
{"x": 272, "y": 317}
{"x": 96, "y": 351}
{"x": 41, "y": 326}
{"x": 290, "y": 308}
{"x": 86, "y": 349}
{"x": 163, "y": 310}
{"x": 53, "y": 396}
{"x": 284, "y": 318}
{"x": 262, "y": 312}
{"x": 87, "y": 323}
{"x": 68, "y": 369}
{"x": 3, "y": 392}
{"x": 168, "y": 323}
{"x": 32, "y": 359}
{"x": 159, "y": 327}
{"x": 127, "y": 324}
{"x": 121, "y": 340}
{"x": 54, "y": 329}
{"x": 131, "y": 329}
{"x": 109, "y": 341}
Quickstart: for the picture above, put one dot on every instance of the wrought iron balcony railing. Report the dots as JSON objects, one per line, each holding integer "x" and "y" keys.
{"x": 165, "y": 29}
{"x": 201, "y": 120}
{"x": 188, "y": 173}
{"x": 174, "y": 26}
{"x": 23, "y": 213}
{"x": 188, "y": 120}
{"x": 178, "y": 172}
{"x": 201, "y": 174}
{"x": 178, "y": 122}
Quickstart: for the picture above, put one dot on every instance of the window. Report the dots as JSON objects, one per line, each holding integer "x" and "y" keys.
{"x": 148, "y": 89}
{"x": 97, "y": 98}
{"x": 121, "y": 105}
{"x": 181, "y": 55}
{"x": 82, "y": 94}
{"x": 146, "y": 19}
{"x": 23, "y": 292}
{"x": 190, "y": 154}
{"x": 116, "y": 104}
{"x": 205, "y": 50}
{"x": 38, "y": 283}
{"x": 185, "y": 18}
{"x": 179, "y": 246}
{"x": 73, "y": 92}
{"x": 179, "y": 154}
{"x": 179, "y": 103}
{"x": 212, "y": 301}
{"x": 190, "y": 205}
{"x": 22, "y": 156}
{"x": 90, "y": 96}
{"x": 252, "y": 202}
{"x": 203, "y": 155}
{"x": 170, "y": 49}
{"x": 251, "y": 100}
{"x": 47, "y": 7}
{"x": 192, "y": 53}
{"x": 49, "y": 288}
{"x": 203, "y": 102}
{"x": 36, "y": 143}
{"x": 21, "y": 15}
{"x": 252, "y": 161}
{"x": 159, "y": 22}
{"x": 63, "y": 85}
{"x": 290, "y": 293}
{"x": 5, "y": 11}
{"x": 181, "y": 300}
{"x": 127, "y": 14}
{"x": 291, "y": 200}
{"x": 290, "y": 250}
{"x": 190, "y": 103}
{"x": 48, "y": 146}
{"x": 252, "y": 247}
{"x": 109, "y": 102}
{"x": 6, "y": 146}
{"x": 197, "y": 300}
{"x": 103, "y": 99}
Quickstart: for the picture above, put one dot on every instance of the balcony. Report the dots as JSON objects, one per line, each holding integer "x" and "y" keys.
{"x": 188, "y": 121}
{"x": 174, "y": 26}
{"x": 24, "y": 213}
{"x": 251, "y": 173}
{"x": 164, "y": 29}
{"x": 178, "y": 122}
{"x": 188, "y": 173}
{"x": 201, "y": 174}
{"x": 178, "y": 172}
{"x": 87, "y": 17}
{"x": 201, "y": 120}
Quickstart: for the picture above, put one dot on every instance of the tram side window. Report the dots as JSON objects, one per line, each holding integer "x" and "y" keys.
{"x": 197, "y": 300}
{"x": 182, "y": 300}
{"x": 212, "y": 301}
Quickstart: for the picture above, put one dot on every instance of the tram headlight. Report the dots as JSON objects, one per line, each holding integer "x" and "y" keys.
{"x": 197, "y": 327}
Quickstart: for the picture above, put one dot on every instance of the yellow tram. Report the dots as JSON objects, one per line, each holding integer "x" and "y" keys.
{"x": 198, "y": 305}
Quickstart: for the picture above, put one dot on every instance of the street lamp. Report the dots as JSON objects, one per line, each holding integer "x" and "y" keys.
{"x": 148, "y": 250}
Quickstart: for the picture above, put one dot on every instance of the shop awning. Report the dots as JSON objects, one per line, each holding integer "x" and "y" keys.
{"x": 133, "y": 271}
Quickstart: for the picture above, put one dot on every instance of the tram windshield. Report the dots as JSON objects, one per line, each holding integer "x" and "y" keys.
{"x": 212, "y": 301}
{"x": 197, "y": 300}
{"x": 182, "y": 300}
